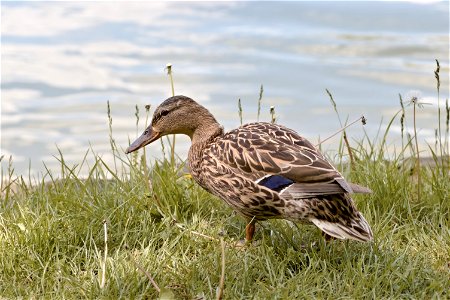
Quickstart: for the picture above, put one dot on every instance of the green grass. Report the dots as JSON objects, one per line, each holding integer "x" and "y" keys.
{"x": 161, "y": 226}
{"x": 52, "y": 239}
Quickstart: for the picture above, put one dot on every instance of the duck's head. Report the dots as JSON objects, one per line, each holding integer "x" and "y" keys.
{"x": 178, "y": 114}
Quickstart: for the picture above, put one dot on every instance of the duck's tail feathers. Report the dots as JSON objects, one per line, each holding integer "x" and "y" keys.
{"x": 358, "y": 230}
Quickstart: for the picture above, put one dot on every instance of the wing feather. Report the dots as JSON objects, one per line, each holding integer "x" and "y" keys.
{"x": 265, "y": 148}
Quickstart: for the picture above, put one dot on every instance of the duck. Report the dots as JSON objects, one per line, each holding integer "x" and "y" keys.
{"x": 261, "y": 170}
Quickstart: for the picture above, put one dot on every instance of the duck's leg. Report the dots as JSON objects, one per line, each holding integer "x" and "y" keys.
{"x": 327, "y": 236}
{"x": 250, "y": 230}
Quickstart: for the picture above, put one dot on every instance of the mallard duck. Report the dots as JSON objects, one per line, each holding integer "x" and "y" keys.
{"x": 261, "y": 170}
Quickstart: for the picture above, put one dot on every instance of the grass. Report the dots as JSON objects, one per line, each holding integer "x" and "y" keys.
{"x": 164, "y": 234}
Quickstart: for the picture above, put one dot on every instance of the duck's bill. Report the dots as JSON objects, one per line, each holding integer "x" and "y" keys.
{"x": 146, "y": 138}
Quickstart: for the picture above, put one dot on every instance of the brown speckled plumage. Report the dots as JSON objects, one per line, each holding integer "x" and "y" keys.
{"x": 262, "y": 170}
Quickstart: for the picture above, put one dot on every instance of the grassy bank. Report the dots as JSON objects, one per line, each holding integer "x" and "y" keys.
{"x": 151, "y": 232}
{"x": 162, "y": 227}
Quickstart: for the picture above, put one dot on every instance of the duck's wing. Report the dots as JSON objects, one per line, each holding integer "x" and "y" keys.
{"x": 277, "y": 157}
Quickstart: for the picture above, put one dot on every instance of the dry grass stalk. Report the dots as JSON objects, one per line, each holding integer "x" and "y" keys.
{"x": 362, "y": 119}
{"x": 150, "y": 278}
{"x": 103, "y": 280}
{"x": 222, "y": 275}
{"x": 172, "y": 145}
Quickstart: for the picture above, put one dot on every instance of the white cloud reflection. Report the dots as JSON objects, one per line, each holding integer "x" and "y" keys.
{"x": 61, "y": 62}
{"x": 52, "y": 19}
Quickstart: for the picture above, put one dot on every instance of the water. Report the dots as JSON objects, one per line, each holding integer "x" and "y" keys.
{"x": 62, "y": 62}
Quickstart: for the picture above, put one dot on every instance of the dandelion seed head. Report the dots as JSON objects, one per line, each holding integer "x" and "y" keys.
{"x": 414, "y": 96}
{"x": 168, "y": 68}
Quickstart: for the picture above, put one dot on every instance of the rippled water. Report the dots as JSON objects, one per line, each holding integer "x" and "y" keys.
{"x": 62, "y": 62}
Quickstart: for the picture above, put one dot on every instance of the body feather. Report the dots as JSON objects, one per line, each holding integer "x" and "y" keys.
{"x": 265, "y": 170}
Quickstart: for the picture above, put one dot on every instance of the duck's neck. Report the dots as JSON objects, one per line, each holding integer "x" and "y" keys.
{"x": 206, "y": 132}
{"x": 201, "y": 137}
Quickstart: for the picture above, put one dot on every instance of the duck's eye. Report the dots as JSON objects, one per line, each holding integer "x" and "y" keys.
{"x": 164, "y": 113}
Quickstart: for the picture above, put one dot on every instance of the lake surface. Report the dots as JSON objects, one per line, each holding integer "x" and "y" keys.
{"x": 62, "y": 61}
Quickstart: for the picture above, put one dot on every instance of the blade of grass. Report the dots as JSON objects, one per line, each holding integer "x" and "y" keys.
{"x": 344, "y": 134}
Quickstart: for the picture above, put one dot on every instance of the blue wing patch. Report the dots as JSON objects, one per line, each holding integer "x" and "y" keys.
{"x": 275, "y": 182}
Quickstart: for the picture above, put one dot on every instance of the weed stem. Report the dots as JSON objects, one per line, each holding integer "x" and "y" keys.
{"x": 222, "y": 276}
{"x": 172, "y": 146}
{"x": 340, "y": 130}
{"x": 105, "y": 229}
